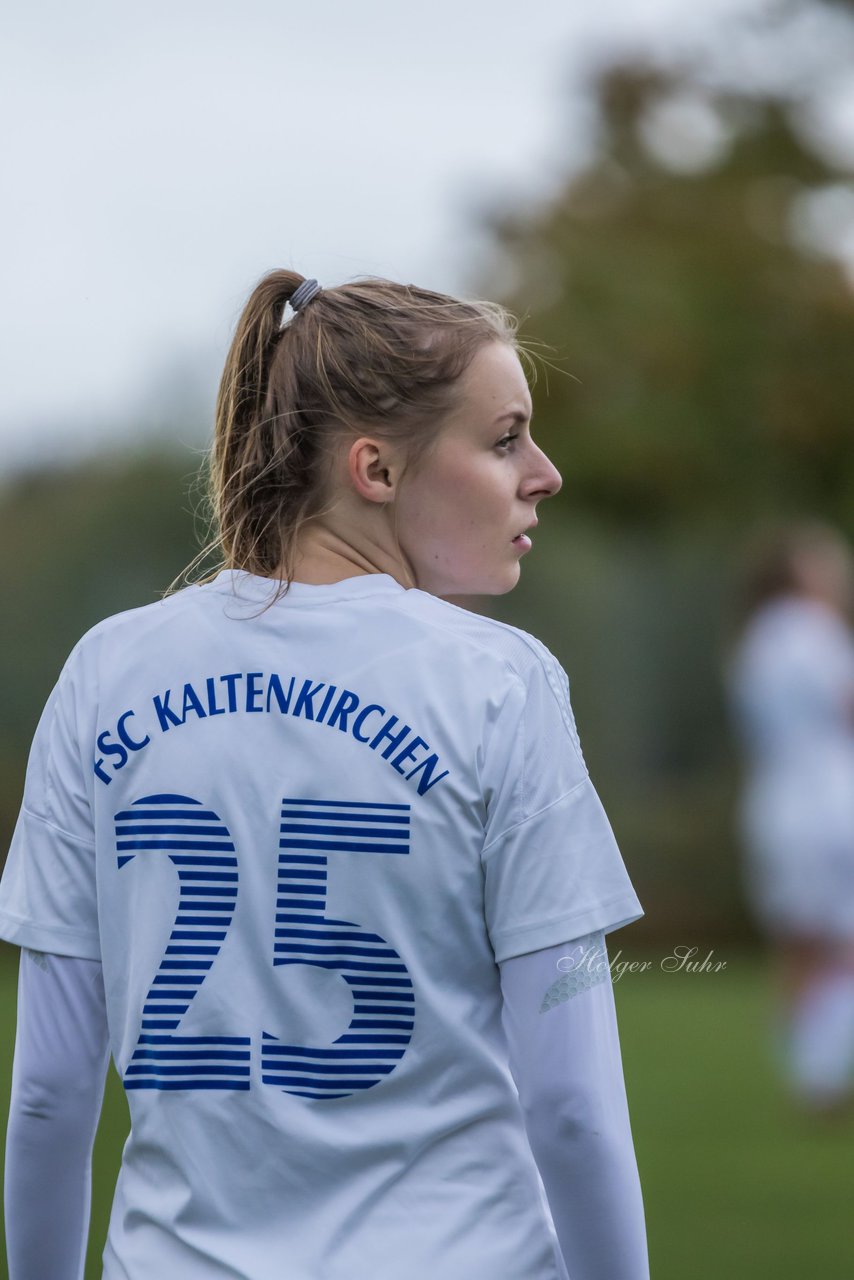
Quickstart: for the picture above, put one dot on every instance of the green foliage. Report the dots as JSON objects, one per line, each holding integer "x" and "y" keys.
{"x": 736, "y": 1182}
{"x": 696, "y": 384}
{"x": 710, "y": 355}
{"x": 89, "y": 541}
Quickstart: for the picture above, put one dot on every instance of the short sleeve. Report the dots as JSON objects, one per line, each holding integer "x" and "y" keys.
{"x": 552, "y": 867}
{"x": 48, "y": 891}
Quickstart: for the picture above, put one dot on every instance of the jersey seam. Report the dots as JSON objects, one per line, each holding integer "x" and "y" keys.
{"x": 90, "y": 844}
{"x": 29, "y": 922}
{"x": 603, "y": 904}
{"x": 531, "y": 816}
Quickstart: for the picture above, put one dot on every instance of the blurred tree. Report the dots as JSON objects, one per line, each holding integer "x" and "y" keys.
{"x": 691, "y": 281}
{"x": 687, "y": 281}
{"x": 88, "y": 541}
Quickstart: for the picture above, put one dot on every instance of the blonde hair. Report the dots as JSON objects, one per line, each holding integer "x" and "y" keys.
{"x": 371, "y": 356}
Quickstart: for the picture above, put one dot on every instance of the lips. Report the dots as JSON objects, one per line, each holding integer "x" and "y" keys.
{"x": 522, "y": 537}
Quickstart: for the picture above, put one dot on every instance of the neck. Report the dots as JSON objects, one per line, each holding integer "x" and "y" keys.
{"x": 323, "y": 557}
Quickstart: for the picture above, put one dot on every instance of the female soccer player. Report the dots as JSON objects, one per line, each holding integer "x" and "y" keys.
{"x": 315, "y": 854}
{"x": 791, "y": 680}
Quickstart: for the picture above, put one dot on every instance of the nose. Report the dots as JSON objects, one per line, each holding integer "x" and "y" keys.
{"x": 543, "y": 480}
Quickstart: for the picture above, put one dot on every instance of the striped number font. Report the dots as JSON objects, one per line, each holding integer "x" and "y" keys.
{"x": 199, "y": 845}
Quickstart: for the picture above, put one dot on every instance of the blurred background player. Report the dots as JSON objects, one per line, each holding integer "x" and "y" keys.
{"x": 317, "y": 854}
{"x": 791, "y": 681}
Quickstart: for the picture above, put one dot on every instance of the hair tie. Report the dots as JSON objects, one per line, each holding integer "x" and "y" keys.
{"x": 304, "y": 293}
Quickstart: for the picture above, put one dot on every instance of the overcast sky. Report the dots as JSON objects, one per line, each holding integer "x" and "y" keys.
{"x": 157, "y": 159}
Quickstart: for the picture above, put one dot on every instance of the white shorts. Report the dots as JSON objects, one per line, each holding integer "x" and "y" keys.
{"x": 799, "y": 865}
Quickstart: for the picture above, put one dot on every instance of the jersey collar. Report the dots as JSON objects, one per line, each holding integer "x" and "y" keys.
{"x": 250, "y": 586}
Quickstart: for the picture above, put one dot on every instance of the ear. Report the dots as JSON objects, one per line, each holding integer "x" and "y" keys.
{"x": 374, "y": 469}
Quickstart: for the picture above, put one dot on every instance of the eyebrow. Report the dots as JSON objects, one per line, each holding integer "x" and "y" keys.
{"x": 515, "y": 415}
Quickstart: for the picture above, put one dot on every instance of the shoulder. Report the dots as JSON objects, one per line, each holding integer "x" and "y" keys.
{"x": 522, "y": 657}
{"x": 521, "y": 651}
{"x": 122, "y": 632}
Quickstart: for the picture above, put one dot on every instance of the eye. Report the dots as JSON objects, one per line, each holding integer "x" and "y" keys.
{"x": 506, "y": 441}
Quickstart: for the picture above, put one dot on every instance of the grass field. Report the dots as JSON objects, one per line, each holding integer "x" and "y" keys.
{"x": 736, "y": 1185}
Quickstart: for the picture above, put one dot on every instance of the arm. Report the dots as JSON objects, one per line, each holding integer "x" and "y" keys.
{"x": 61, "y": 1056}
{"x": 565, "y": 1057}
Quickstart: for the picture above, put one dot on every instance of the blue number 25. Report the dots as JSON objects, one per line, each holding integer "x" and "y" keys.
{"x": 200, "y": 846}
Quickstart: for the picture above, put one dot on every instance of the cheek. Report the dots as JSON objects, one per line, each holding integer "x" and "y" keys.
{"x": 459, "y": 510}
{"x": 441, "y": 496}
{"x": 456, "y": 509}
{"x": 454, "y": 482}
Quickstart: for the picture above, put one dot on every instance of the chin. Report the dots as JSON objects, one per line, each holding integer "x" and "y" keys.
{"x": 494, "y": 584}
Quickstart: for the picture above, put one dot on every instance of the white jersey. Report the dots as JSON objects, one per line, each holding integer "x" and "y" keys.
{"x": 299, "y": 839}
{"x": 791, "y": 681}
